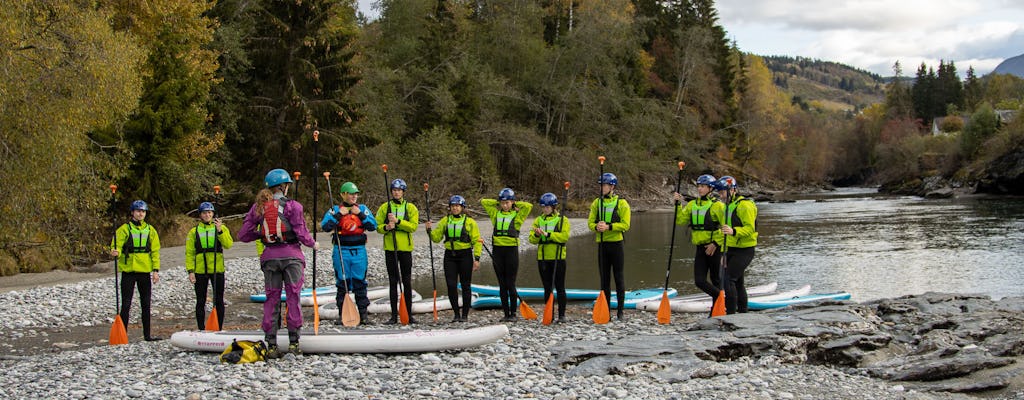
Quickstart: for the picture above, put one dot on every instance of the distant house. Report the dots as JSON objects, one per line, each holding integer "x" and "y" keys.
{"x": 937, "y": 124}
{"x": 1004, "y": 116}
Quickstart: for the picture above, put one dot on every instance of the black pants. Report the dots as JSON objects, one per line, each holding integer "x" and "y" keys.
{"x": 735, "y": 291}
{"x": 458, "y": 270}
{"x": 129, "y": 280}
{"x": 404, "y": 258}
{"x": 202, "y": 281}
{"x": 506, "y": 268}
{"x": 704, "y": 265}
{"x": 552, "y": 273}
{"x": 613, "y": 260}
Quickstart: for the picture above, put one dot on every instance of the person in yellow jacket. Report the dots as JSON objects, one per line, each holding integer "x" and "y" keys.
{"x": 136, "y": 246}
{"x": 204, "y": 261}
{"x": 398, "y": 219}
{"x": 550, "y": 233}
{"x": 704, "y": 215}
{"x": 462, "y": 248}
{"x": 609, "y": 219}
{"x": 740, "y": 229}
{"x": 507, "y": 216}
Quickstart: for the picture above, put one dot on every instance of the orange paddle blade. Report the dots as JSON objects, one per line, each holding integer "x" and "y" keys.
{"x": 316, "y": 314}
{"x": 435, "y": 291}
{"x": 664, "y": 309}
{"x": 349, "y": 312}
{"x": 526, "y": 311}
{"x": 718, "y": 309}
{"x": 212, "y": 322}
{"x": 601, "y": 315}
{"x": 403, "y": 312}
{"x": 118, "y": 333}
{"x": 549, "y": 310}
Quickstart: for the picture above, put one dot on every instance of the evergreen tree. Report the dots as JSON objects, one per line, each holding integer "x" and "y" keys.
{"x": 973, "y": 91}
{"x": 898, "y": 98}
{"x": 924, "y": 94}
{"x": 301, "y": 58}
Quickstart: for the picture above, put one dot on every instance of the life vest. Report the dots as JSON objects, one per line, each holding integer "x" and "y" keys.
{"x": 206, "y": 239}
{"x": 455, "y": 231}
{"x": 730, "y": 214}
{"x": 275, "y": 228}
{"x": 137, "y": 240}
{"x": 608, "y": 214}
{"x": 504, "y": 224}
{"x": 350, "y": 225}
{"x": 699, "y": 219}
{"x": 398, "y": 210}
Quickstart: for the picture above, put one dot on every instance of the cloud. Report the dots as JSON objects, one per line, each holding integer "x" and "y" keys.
{"x": 873, "y": 35}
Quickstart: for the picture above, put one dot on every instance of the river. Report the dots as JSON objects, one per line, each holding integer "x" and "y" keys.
{"x": 853, "y": 240}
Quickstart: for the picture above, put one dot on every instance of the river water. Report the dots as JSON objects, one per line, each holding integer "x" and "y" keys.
{"x": 853, "y": 240}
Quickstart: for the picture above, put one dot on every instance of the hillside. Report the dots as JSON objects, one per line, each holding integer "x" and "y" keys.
{"x": 1012, "y": 66}
{"x": 831, "y": 85}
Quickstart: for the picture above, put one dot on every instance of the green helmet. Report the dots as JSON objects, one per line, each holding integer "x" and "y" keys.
{"x": 349, "y": 187}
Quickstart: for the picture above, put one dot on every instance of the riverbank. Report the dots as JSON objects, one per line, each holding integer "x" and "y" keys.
{"x": 55, "y": 343}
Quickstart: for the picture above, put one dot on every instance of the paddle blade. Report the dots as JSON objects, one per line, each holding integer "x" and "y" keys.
{"x": 664, "y": 309}
{"x": 403, "y": 312}
{"x": 118, "y": 333}
{"x": 718, "y": 309}
{"x": 549, "y": 309}
{"x": 349, "y": 312}
{"x": 601, "y": 315}
{"x": 435, "y": 292}
{"x": 526, "y": 311}
{"x": 316, "y": 314}
{"x": 212, "y": 322}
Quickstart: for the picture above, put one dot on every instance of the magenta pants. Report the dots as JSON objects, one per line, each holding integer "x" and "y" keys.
{"x": 280, "y": 272}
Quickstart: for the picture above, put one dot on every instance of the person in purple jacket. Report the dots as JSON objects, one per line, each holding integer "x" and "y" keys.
{"x": 280, "y": 226}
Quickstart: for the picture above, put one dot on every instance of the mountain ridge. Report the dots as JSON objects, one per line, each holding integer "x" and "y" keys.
{"x": 1012, "y": 66}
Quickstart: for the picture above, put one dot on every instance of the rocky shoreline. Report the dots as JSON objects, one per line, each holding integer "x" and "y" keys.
{"x": 931, "y": 346}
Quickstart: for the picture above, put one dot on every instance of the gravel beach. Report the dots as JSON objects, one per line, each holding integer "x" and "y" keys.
{"x": 55, "y": 347}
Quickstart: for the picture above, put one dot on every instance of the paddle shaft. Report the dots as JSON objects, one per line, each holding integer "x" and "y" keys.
{"x": 316, "y": 172}
{"x": 672, "y": 241}
{"x": 558, "y": 228}
{"x": 430, "y": 244}
{"x": 394, "y": 242}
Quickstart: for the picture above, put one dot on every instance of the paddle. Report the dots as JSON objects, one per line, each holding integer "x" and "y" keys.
{"x": 349, "y": 312}
{"x": 430, "y": 247}
{"x": 600, "y": 315}
{"x": 665, "y": 309}
{"x": 118, "y": 332}
{"x": 403, "y": 312}
{"x": 718, "y": 309}
{"x": 316, "y": 169}
{"x": 212, "y": 320}
{"x": 549, "y": 306}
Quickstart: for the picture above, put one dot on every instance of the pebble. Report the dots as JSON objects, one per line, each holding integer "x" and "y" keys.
{"x": 518, "y": 367}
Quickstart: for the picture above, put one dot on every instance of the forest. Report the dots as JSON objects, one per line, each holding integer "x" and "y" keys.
{"x": 168, "y": 99}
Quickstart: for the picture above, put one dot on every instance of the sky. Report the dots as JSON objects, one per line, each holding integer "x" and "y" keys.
{"x": 873, "y": 34}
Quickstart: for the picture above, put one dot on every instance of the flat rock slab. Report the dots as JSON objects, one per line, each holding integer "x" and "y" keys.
{"x": 944, "y": 342}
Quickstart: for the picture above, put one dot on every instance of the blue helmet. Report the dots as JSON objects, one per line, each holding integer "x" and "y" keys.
{"x": 725, "y": 183}
{"x": 608, "y": 178}
{"x": 205, "y": 206}
{"x": 548, "y": 199}
{"x": 457, "y": 200}
{"x": 706, "y": 180}
{"x": 139, "y": 205}
{"x": 399, "y": 184}
{"x": 506, "y": 194}
{"x": 277, "y": 177}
